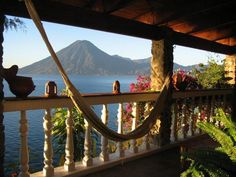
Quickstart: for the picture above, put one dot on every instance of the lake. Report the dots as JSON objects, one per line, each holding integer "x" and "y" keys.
{"x": 85, "y": 84}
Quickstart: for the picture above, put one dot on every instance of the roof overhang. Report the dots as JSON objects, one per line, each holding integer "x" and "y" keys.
{"x": 127, "y": 17}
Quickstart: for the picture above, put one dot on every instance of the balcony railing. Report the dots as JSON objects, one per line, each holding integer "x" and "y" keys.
{"x": 188, "y": 107}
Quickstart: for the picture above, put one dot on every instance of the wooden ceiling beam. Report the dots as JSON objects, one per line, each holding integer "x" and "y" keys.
{"x": 202, "y": 44}
{"x": 190, "y": 8}
{"x": 231, "y": 41}
{"x": 120, "y": 5}
{"x": 76, "y": 16}
{"x": 223, "y": 25}
{"x": 215, "y": 34}
{"x": 81, "y": 17}
{"x": 205, "y": 21}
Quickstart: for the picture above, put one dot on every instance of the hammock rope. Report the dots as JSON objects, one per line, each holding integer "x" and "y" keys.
{"x": 81, "y": 104}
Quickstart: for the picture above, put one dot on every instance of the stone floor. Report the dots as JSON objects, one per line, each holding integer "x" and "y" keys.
{"x": 162, "y": 164}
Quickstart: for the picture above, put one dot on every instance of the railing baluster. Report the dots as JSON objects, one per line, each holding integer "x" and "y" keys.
{"x": 87, "y": 160}
{"x": 183, "y": 119}
{"x": 135, "y": 112}
{"x": 147, "y": 111}
{"x": 69, "y": 164}
{"x": 48, "y": 169}
{"x": 191, "y": 117}
{"x": 24, "y": 153}
{"x": 199, "y": 105}
{"x": 212, "y": 107}
{"x": 104, "y": 155}
{"x": 224, "y": 102}
{"x": 120, "y": 146}
{"x": 173, "y": 135}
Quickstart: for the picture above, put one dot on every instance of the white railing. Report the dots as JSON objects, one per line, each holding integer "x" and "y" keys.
{"x": 187, "y": 108}
{"x": 199, "y": 105}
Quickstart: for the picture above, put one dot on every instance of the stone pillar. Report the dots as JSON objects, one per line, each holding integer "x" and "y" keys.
{"x": 230, "y": 64}
{"x": 2, "y": 135}
{"x": 161, "y": 66}
{"x": 230, "y": 71}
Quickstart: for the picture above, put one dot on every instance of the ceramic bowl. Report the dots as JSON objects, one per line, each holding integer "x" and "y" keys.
{"x": 21, "y": 86}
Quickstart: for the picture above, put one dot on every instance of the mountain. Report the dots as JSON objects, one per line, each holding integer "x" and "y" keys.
{"x": 84, "y": 58}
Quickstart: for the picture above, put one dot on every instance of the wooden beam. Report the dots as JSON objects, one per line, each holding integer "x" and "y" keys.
{"x": 188, "y": 9}
{"x": 231, "y": 41}
{"x": 205, "y": 21}
{"x": 216, "y": 34}
{"x": 75, "y": 16}
{"x": 120, "y": 5}
{"x": 202, "y": 44}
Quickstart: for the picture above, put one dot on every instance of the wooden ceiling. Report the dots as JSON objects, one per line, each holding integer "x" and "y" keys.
{"x": 202, "y": 24}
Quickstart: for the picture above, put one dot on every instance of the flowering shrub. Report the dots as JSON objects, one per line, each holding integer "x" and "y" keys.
{"x": 143, "y": 84}
{"x": 181, "y": 81}
{"x": 184, "y": 81}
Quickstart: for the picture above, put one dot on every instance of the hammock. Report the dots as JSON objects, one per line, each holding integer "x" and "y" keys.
{"x": 81, "y": 104}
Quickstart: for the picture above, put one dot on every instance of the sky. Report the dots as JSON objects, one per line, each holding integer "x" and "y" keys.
{"x": 25, "y": 46}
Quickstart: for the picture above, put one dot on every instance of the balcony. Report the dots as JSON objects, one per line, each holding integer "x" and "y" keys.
{"x": 188, "y": 107}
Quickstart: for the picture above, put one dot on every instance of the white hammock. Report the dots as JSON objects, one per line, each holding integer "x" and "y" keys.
{"x": 81, "y": 104}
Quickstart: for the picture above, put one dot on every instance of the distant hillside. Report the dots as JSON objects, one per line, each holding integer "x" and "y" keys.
{"x": 84, "y": 58}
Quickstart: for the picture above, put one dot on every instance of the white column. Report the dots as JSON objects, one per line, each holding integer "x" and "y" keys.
{"x": 120, "y": 148}
{"x": 135, "y": 112}
{"x": 48, "y": 169}
{"x": 87, "y": 160}
{"x": 69, "y": 164}
{"x": 24, "y": 153}
{"x": 104, "y": 155}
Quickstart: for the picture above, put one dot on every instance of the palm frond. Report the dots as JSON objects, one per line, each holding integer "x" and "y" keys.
{"x": 217, "y": 134}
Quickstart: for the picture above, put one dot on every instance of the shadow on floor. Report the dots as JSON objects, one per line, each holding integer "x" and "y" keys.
{"x": 162, "y": 164}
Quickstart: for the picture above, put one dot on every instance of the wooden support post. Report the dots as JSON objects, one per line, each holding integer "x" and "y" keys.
{"x": 161, "y": 66}
{"x": 2, "y": 135}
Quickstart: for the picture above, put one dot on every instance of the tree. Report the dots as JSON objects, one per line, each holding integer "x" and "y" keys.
{"x": 59, "y": 132}
{"x": 13, "y": 23}
{"x": 211, "y": 75}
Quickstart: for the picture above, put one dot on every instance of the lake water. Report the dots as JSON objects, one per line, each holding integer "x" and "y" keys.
{"x": 85, "y": 84}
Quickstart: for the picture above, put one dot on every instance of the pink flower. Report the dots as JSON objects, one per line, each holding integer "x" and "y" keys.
{"x": 128, "y": 108}
{"x": 132, "y": 87}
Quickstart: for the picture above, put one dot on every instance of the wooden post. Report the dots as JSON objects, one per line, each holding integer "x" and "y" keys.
{"x": 2, "y": 135}
{"x": 161, "y": 66}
